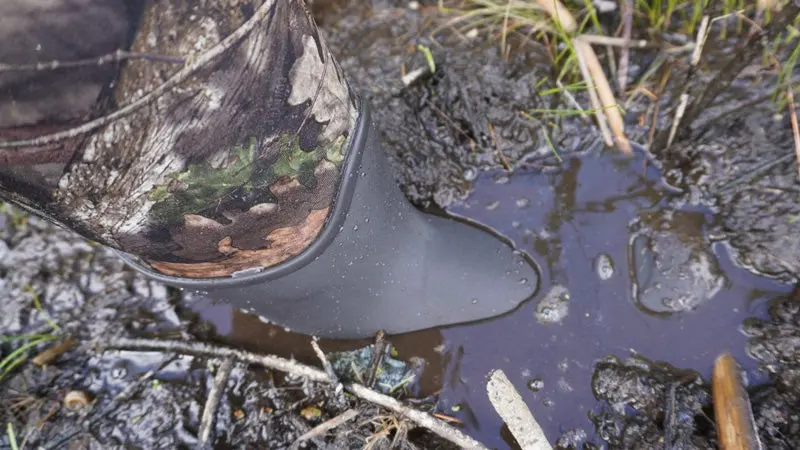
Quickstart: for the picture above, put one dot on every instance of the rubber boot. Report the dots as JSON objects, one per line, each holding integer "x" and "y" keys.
{"x": 379, "y": 264}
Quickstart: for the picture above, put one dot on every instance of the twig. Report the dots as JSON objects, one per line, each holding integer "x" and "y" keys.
{"x": 203, "y": 349}
{"x": 497, "y": 148}
{"x": 326, "y": 364}
{"x": 378, "y": 349}
{"x": 214, "y": 396}
{"x": 627, "y": 24}
{"x": 420, "y": 418}
{"x": 324, "y": 427}
{"x": 52, "y": 353}
{"x": 311, "y": 373}
{"x": 117, "y": 56}
{"x": 515, "y": 413}
{"x": 173, "y": 81}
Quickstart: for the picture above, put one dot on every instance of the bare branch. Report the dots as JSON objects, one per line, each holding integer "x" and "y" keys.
{"x": 214, "y": 396}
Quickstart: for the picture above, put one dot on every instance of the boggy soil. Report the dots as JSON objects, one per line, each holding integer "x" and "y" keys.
{"x": 453, "y": 135}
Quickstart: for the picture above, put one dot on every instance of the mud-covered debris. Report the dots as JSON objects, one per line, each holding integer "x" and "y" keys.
{"x": 392, "y": 374}
{"x": 675, "y": 269}
{"x": 648, "y": 405}
{"x": 775, "y": 343}
{"x": 739, "y": 167}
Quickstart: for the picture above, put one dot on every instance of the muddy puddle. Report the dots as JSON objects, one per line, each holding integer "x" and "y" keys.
{"x": 623, "y": 273}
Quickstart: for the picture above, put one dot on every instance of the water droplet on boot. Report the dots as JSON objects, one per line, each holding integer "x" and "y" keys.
{"x": 523, "y": 281}
{"x": 536, "y": 384}
{"x": 355, "y": 227}
{"x": 604, "y": 266}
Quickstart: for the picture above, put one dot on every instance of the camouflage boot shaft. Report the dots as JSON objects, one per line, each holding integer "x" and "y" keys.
{"x": 235, "y": 163}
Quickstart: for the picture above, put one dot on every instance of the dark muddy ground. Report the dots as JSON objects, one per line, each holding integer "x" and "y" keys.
{"x": 650, "y": 267}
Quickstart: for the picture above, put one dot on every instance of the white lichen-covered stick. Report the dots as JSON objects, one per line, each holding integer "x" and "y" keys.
{"x": 214, "y": 396}
{"x": 515, "y": 413}
{"x": 295, "y": 368}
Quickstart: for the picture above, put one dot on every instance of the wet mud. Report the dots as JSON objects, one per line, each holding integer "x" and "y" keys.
{"x": 650, "y": 267}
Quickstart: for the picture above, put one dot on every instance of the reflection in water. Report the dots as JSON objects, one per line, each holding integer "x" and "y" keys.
{"x": 578, "y": 225}
{"x": 249, "y": 332}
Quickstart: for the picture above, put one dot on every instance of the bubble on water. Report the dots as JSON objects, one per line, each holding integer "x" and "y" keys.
{"x": 470, "y": 174}
{"x": 355, "y": 227}
{"x": 502, "y": 179}
{"x": 536, "y": 385}
{"x": 604, "y": 266}
{"x": 522, "y": 202}
{"x": 515, "y": 224}
{"x": 119, "y": 371}
{"x": 548, "y": 403}
{"x": 493, "y": 205}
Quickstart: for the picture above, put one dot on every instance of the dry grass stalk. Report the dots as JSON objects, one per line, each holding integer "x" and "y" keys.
{"x": 735, "y": 425}
{"x": 560, "y": 14}
{"x": 607, "y": 101}
{"x": 602, "y": 123}
{"x": 603, "y": 101}
{"x": 795, "y": 130}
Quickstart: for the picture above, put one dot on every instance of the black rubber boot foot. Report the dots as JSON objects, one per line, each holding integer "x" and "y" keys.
{"x": 380, "y": 264}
